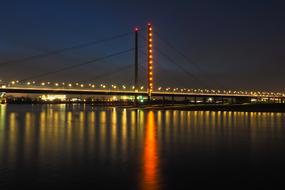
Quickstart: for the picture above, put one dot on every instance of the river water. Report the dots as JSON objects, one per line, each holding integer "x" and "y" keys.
{"x": 78, "y": 146}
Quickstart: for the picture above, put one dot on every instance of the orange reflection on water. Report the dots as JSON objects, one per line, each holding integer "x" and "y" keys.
{"x": 150, "y": 156}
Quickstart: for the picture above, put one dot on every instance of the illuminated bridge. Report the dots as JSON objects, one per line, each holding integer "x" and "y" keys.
{"x": 31, "y": 86}
{"x": 92, "y": 90}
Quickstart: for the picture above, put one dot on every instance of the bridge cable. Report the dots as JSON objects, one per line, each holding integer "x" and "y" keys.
{"x": 177, "y": 65}
{"x": 190, "y": 61}
{"x": 180, "y": 67}
{"x": 78, "y": 65}
{"x": 59, "y": 51}
{"x": 106, "y": 74}
{"x": 145, "y": 68}
{"x": 183, "y": 69}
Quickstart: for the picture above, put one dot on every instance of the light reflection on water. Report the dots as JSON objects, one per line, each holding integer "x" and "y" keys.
{"x": 65, "y": 145}
{"x": 151, "y": 175}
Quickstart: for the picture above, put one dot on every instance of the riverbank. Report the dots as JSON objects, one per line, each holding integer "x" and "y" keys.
{"x": 262, "y": 107}
{"x": 228, "y": 107}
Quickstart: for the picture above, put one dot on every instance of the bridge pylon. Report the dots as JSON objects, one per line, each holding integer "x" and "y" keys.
{"x": 136, "y": 60}
{"x": 136, "y": 30}
{"x": 149, "y": 60}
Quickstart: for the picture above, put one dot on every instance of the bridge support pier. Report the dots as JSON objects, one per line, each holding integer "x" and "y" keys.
{"x": 232, "y": 100}
{"x": 172, "y": 100}
{"x": 163, "y": 100}
{"x": 186, "y": 99}
{"x": 135, "y": 100}
{"x": 149, "y": 99}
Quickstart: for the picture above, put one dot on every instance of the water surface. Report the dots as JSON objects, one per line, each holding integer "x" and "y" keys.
{"x": 63, "y": 146}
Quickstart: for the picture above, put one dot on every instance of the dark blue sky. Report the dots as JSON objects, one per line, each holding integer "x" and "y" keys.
{"x": 237, "y": 44}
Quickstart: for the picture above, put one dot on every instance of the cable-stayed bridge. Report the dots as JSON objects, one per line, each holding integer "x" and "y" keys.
{"x": 35, "y": 83}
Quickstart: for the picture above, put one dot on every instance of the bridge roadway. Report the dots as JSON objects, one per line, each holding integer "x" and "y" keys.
{"x": 78, "y": 91}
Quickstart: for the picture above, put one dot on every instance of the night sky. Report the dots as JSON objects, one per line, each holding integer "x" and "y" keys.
{"x": 232, "y": 44}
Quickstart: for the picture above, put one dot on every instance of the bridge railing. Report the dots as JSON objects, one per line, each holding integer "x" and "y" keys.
{"x": 124, "y": 88}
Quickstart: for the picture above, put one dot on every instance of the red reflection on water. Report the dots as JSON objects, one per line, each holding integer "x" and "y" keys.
{"x": 150, "y": 179}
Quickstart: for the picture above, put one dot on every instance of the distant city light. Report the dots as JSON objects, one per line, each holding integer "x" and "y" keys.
{"x": 53, "y": 97}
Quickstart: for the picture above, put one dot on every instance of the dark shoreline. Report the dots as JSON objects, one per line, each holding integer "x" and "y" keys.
{"x": 263, "y": 107}
{"x": 230, "y": 107}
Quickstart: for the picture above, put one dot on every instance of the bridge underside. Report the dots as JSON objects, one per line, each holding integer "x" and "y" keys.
{"x": 123, "y": 93}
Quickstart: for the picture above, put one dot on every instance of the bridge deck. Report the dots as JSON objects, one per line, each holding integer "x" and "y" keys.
{"x": 74, "y": 91}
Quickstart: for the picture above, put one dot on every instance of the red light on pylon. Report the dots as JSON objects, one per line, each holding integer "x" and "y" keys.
{"x": 136, "y": 29}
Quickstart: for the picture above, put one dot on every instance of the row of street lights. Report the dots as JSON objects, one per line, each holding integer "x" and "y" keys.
{"x": 141, "y": 88}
